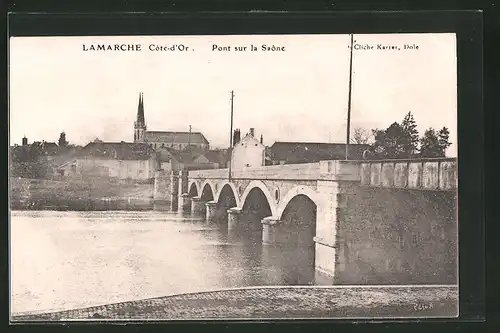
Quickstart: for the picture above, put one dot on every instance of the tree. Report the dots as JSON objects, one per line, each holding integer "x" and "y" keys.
{"x": 62, "y": 140}
{"x": 38, "y": 159}
{"x": 29, "y": 161}
{"x": 402, "y": 141}
{"x": 360, "y": 136}
{"x": 429, "y": 144}
{"x": 20, "y": 161}
{"x": 410, "y": 135}
{"x": 434, "y": 144}
{"x": 443, "y": 139}
{"x": 390, "y": 143}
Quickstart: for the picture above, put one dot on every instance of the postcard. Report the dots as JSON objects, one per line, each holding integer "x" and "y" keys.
{"x": 219, "y": 177}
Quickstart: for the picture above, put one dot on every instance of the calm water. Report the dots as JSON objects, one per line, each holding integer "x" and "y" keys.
{"x": 64, "y": 260}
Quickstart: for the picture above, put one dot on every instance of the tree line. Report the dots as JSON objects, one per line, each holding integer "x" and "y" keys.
{"x": 33, "y": 160}
{"x": 402, "y": 140}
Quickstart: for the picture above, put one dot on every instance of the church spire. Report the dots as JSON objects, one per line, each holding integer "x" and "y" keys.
{"x": 140, "y": 111}
{"x": 140, "y": 124}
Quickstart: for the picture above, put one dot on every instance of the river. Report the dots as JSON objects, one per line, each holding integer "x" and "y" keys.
{"x": 64, "y": 260}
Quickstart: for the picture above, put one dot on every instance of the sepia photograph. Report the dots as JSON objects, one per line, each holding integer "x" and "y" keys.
{"x": 233, "y": 177}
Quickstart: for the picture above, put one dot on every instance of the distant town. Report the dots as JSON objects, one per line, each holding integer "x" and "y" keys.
{"x": 151, "y": 151}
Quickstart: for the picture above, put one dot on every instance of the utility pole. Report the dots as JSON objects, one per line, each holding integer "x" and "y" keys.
{"x": 231, "y": 136}
{"x": 349, "y": 103}
{"x": 189, "y": 140}
{"x": 231, "y": 130}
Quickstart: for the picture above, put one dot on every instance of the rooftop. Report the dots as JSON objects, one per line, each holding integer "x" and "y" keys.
{"x": 117, "y": 150}
{"x": 175, "y": 137}
{"x": 302, "y": 152}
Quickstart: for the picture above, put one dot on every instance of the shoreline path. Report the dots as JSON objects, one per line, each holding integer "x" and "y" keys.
{"x": 301, "y": 302}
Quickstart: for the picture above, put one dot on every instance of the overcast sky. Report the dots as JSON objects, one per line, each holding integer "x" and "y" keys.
{"x": 300, "y": 94}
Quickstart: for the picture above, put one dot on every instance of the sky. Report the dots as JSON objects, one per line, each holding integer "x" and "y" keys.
{"x": 299, "y": 94}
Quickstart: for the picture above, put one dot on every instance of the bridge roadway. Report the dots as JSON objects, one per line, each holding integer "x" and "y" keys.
{"x": 336, "y": 195}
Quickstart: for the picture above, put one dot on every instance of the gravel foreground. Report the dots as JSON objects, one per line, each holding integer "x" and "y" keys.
{"x": 275, "y": 303}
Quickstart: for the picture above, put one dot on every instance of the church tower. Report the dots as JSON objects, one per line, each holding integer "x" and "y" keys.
{"x": 140, "y": 123}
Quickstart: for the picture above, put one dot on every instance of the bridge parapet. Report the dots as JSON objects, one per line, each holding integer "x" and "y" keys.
{"x": 339, "y": 170}
{"x": 323, "y": 170}
{"x": 209, "y": 174}
{"x": 306, "y": 171}
{"x": 424, "y": 174}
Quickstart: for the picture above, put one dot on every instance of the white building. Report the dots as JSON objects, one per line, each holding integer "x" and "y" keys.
{"x": 248, "y": 152}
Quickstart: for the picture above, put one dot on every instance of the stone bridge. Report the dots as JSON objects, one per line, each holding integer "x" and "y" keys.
{"x": 390, "y": 221}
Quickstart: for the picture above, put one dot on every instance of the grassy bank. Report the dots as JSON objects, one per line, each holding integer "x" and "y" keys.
{"x": 27, "y": 193}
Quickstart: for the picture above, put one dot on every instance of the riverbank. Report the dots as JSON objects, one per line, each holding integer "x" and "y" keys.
{"x": 277, "y": 303}
{"x": 90, "y": 193}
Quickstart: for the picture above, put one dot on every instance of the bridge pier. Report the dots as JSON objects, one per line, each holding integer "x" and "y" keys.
{"x": 174, "y": 190}
{"x": 184, "y": 202}
{"x": 197, "y": 206}
{"x": 233, "y": 217}
{"x": 160, "y": 188}
{"x": 210, "y": 210}
{"x": 182, "y": 189}
{"x": 333, "y": 189}
{"x": 271, "y": 230}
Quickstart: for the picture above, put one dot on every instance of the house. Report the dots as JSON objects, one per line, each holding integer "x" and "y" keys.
{"x": 219, "y": 156}
{"x": 169, "y": 159}
{"x": 64, "y": 155}
{"x": 112, "y": 159}
{"x": 248, "y": 152}
{"x": 50, "y": 148}
{"x": 310, "y": 152}
{"x": 42, "y": 155}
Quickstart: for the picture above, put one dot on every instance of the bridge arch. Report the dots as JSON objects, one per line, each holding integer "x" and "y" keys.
{"x": 193, "y": 189}
{"x": 259, "y": 184}
{"x": 207, "y": 191}
{"x": 233, "y": 188}
{"x": 297, "y": 228}
{"x": 298, "y": 190}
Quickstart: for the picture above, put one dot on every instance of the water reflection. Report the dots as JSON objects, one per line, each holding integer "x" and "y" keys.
{"x": 75, "y": 259}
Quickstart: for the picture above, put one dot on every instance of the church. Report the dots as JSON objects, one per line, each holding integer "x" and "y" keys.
{"x": 160, "y": 139}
